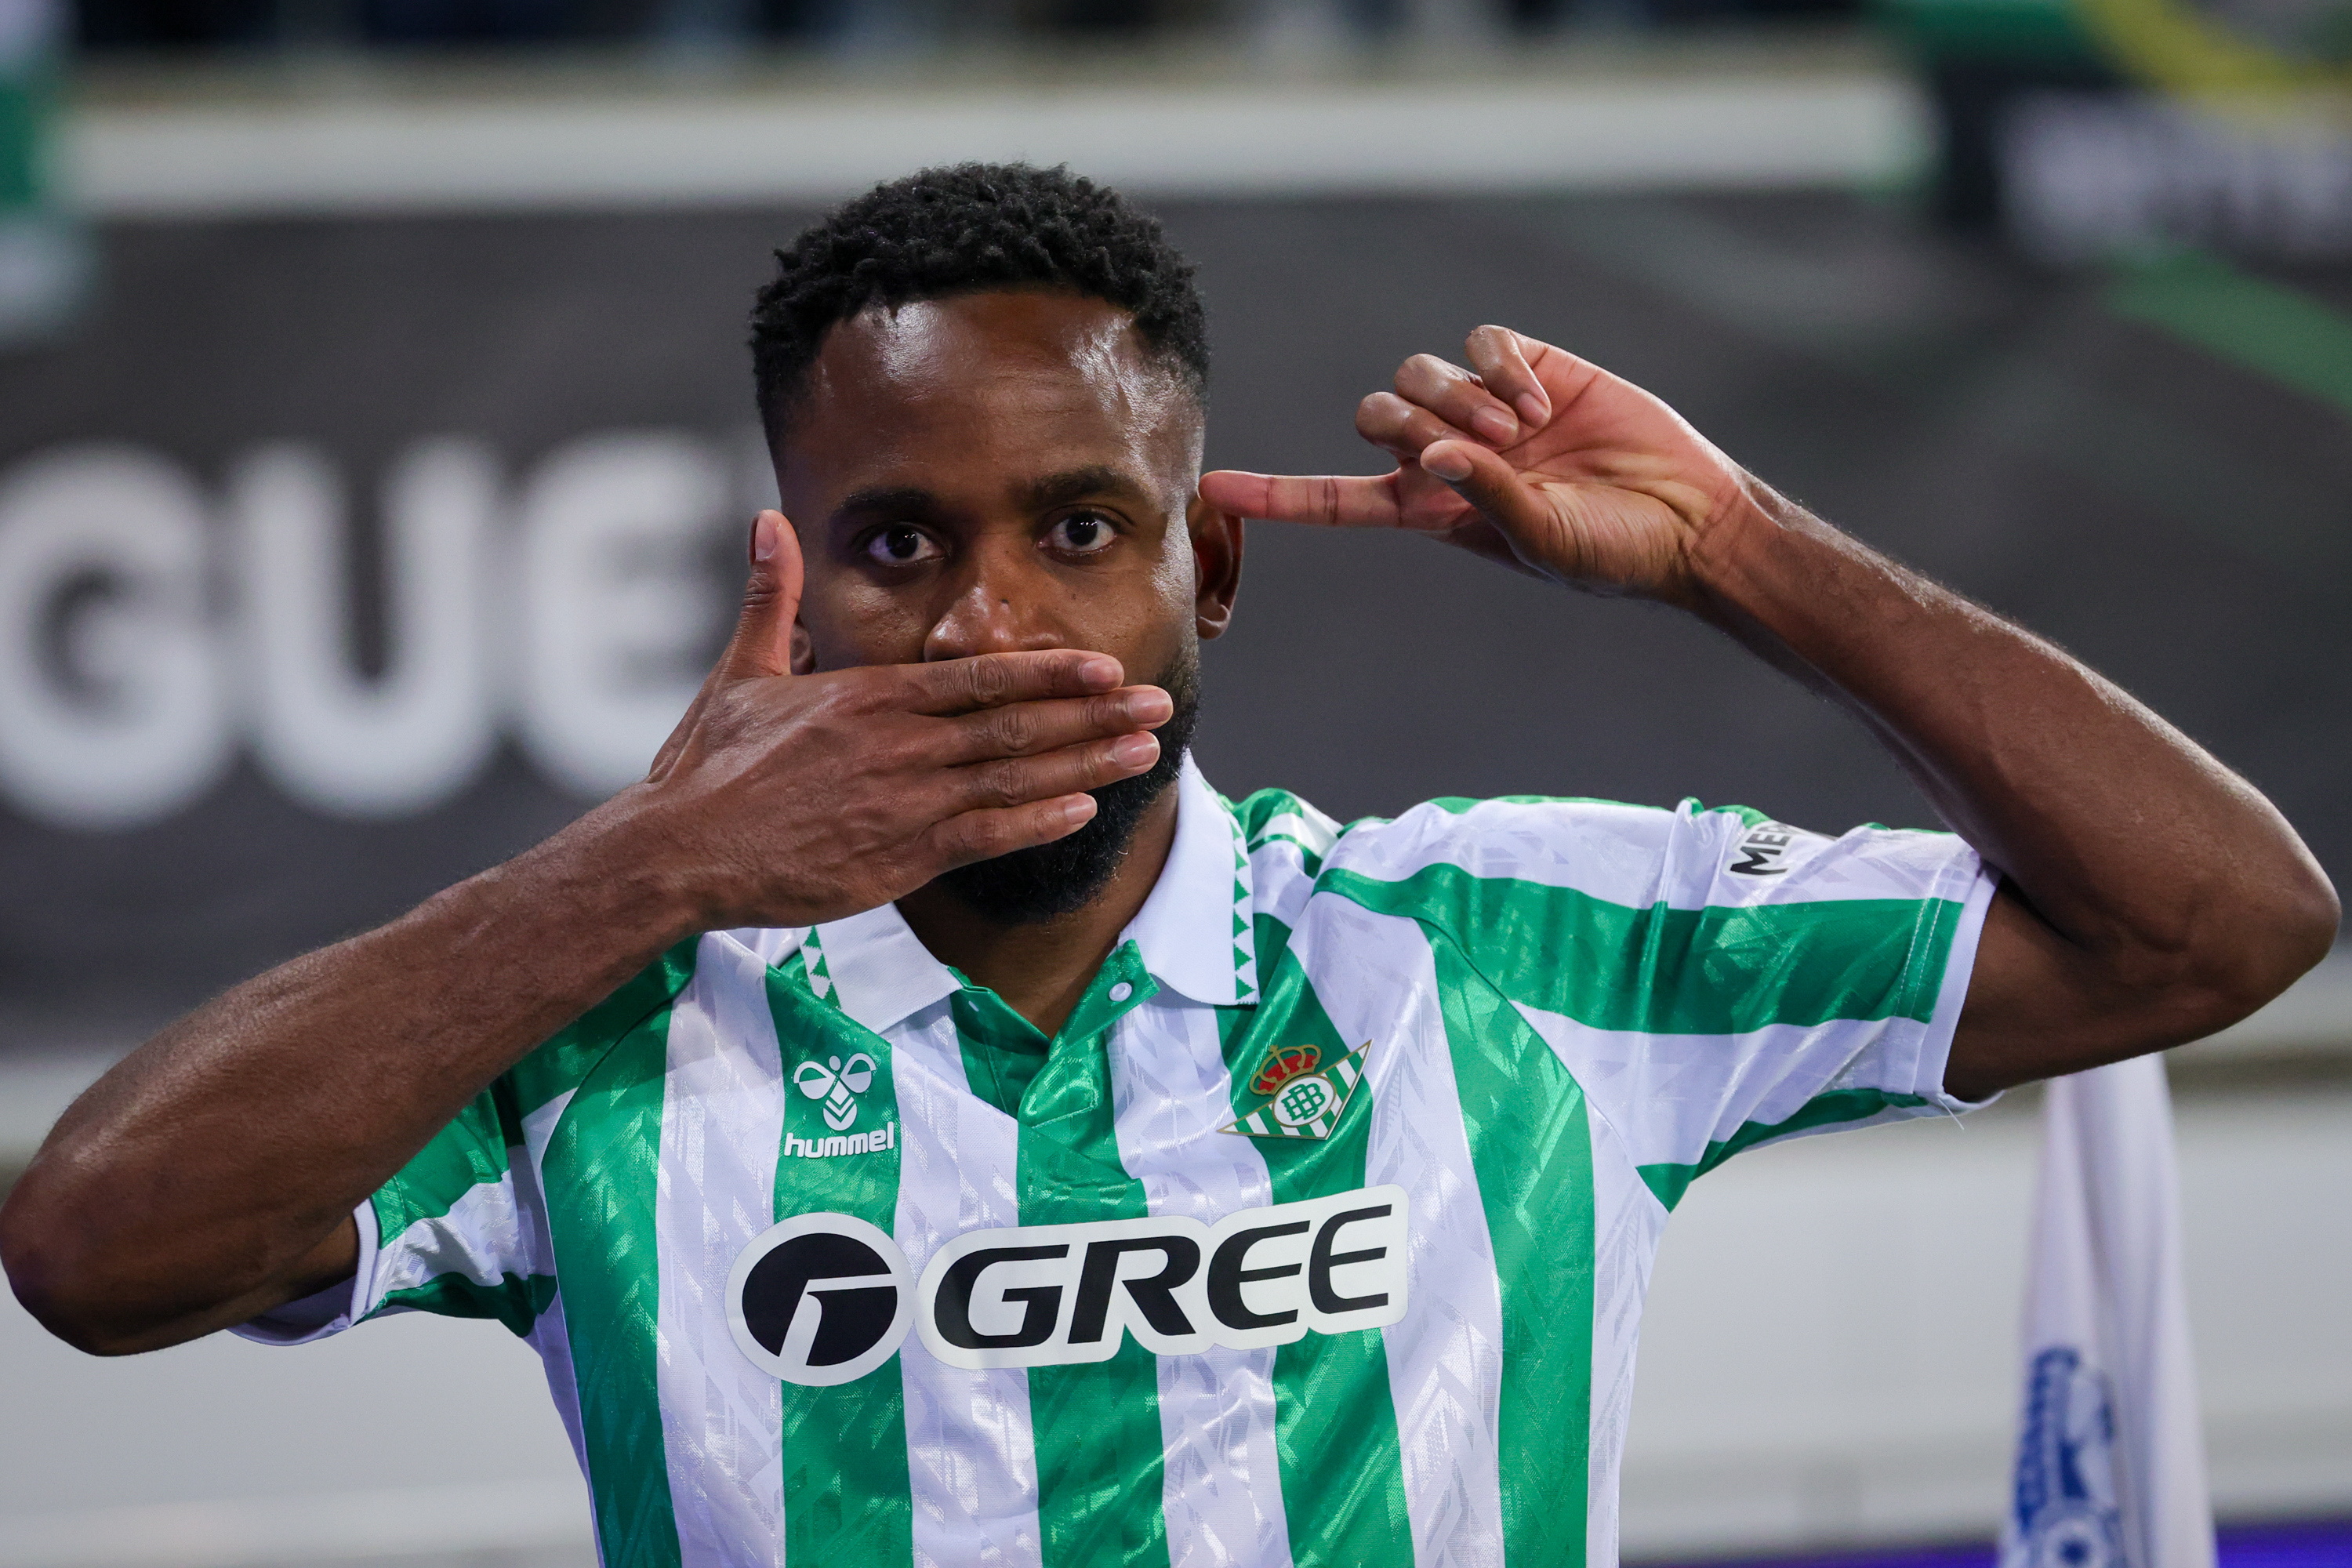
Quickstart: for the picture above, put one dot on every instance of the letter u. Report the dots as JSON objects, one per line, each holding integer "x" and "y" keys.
{"x": 332, "y": 738}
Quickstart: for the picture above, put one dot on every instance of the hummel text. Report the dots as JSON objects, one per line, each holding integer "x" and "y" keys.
{"x": 874, "y": 1142}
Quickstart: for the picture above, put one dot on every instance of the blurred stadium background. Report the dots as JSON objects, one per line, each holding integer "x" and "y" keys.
{"x": 375, "y": 445}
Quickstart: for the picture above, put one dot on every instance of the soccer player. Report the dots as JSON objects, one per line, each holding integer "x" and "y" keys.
{"x": 924, "y": 1122}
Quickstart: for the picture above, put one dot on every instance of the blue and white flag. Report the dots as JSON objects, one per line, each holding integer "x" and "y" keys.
{"x": 2110, "y": 1460}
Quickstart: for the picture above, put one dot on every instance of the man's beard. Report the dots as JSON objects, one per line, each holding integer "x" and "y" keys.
{"x": 1046, "y": 881}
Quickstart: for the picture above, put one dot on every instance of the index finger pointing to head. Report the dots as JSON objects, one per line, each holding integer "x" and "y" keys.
{"x": 992, "y": 679}
{"x": 1336, "y": 500}
{"x": 1500, "y": 357}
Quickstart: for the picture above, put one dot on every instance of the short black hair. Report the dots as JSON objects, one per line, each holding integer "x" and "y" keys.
{"x": 962, "y": 229}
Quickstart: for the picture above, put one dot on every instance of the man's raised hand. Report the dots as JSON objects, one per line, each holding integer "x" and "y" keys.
{"x": 788, "y": 799}
{"x": 1530, "y": 457}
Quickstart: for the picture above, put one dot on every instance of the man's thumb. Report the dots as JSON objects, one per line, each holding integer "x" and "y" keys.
{"x": 1484, "y": 478}
{"x": 763, "y": 644}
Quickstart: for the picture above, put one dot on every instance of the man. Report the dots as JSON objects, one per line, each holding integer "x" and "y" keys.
{"x": 924, "y": 1122}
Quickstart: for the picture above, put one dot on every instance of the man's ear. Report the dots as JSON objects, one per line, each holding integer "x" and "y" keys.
{"x": 1217, "y": 566}
{"x": 804, "y": 650}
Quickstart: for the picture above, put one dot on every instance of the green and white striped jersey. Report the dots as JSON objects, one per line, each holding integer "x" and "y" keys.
{"x": 1320, "y": 1235}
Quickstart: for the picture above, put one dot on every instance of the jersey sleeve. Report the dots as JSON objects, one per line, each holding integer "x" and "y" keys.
{"x": 1712, "y": 979}
{"x": 458, "y": 1231}
{"x": 461, "y": 1229}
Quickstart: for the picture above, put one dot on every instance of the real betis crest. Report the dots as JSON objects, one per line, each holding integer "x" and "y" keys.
{"x": 1297, "y": 1100}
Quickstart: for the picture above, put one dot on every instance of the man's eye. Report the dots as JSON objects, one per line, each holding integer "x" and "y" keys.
{"x": 900, "y": 544}
{"x": 1082, "y": 534}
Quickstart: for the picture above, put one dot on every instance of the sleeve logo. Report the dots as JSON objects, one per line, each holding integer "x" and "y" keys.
{"x": 1762, "y": 848}
{"x": 826, "y": 1297}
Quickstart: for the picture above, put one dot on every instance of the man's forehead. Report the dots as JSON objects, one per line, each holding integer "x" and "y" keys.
{"x": 1030, "y": 380}
{"x": 1008, "y": 328}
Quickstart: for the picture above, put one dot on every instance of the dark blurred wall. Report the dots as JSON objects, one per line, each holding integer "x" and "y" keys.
{"x": 341, "y": 559}
{"x": 191, "y": 27}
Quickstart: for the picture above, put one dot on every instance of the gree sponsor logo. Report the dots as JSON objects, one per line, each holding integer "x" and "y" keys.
{"x": 1051, "y": 1295}
{"x": 820, "y": 1299}
{"x": 1059, "y": 1295}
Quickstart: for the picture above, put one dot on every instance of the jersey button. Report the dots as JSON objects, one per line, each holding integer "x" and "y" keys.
{"x": 1121, "y": 991}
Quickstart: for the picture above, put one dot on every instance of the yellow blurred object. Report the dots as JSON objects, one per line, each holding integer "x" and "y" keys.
{"x": 2186, "y": 49}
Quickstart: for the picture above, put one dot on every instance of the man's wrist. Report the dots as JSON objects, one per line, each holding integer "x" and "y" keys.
{"x": 1731, "y": 564}
{"x": 620, "y": 871}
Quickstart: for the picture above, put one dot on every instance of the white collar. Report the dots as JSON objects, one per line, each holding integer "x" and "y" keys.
{"x": 1193, "y": 933}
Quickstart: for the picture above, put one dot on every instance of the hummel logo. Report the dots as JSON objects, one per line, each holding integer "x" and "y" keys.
{"x": 837, "y": 1085}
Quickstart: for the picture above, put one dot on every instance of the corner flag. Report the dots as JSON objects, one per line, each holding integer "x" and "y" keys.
{"x": 2110, "y": 1460}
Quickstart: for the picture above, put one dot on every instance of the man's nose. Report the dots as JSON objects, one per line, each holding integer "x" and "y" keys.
{"x": 1003, "y": 604}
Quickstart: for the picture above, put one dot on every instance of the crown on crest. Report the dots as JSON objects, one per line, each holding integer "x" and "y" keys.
{"x": 1281, "y": 1065}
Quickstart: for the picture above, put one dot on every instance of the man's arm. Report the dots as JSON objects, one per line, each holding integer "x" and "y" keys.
{"x": 2150, "y": 896}
{"x": 212, "y": 1175}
